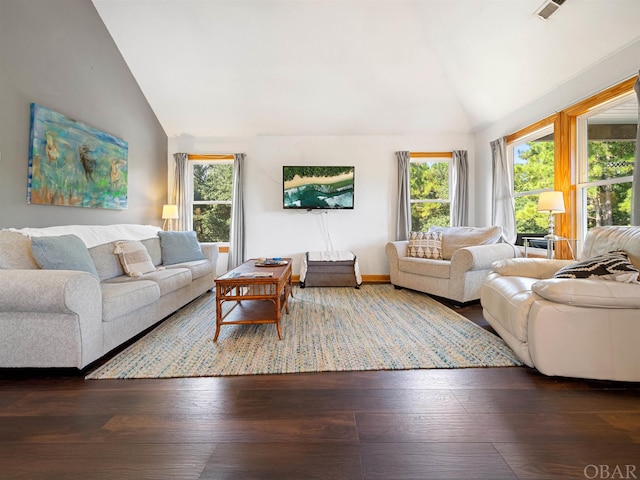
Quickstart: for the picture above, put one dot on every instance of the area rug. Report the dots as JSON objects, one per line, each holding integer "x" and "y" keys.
{"x": 328, "y": 329}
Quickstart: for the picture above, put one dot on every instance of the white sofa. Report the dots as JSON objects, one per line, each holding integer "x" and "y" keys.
{"x": 573, "y": 327}
{"x": 57, "y": 317}
{"x": 467, "y": 255}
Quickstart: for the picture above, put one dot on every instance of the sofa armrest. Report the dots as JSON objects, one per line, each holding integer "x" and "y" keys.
{"x": 529, "y": 267}
{"x": 587, "y": 292}
{"x": 50, "y": 291}
{"x": 481, "y": 257}
{"x": 396, "y": 250}
{"x": 211, "y": 251}
{"x": 56, "y": 311}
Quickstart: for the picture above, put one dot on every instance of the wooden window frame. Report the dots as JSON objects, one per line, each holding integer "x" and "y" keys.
{"x": 565, "y": 137}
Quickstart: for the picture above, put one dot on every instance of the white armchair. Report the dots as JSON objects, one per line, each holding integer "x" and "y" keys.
{"x": 573, "y": 327}
{"x": 467, "y": 255}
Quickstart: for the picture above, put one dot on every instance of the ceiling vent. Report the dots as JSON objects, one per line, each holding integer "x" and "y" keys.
{"x": 548, "y": 8}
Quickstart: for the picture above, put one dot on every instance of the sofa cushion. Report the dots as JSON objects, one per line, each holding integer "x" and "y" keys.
{"x": 107, "y": 263}
{"x": 169, "y": 280}
{"x": 64, "y": 252}
{"x": 134, "y": 258}
{"x": 179, "y": 247}
{"x": 601, "y": 240}
{"x": 588, "y": 292}
{"x": 198, "y": 269}
{"x": 15, "y": 251}
{"x": 425, "y": 266}
{"x": 529, "y": 267}
{"x": 610, "y": 266}
{"x": 121, "y": 298}
{"x": 153, "y": 248}
{"x": 454, "y": 238}
{"x": 425, "y": 245}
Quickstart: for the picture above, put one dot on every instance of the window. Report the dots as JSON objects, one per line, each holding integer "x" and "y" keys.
{"x": 533, "y": 172}
{"x": 605, "y": 158}
{"x": 212, "y": 183}
{"x": 429, "y": 188}
{"x": 594, "y": 143}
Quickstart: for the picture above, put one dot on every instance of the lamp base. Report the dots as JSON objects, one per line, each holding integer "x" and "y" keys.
{"x": 167, "y": 225}
{"x": 551, "y": 228}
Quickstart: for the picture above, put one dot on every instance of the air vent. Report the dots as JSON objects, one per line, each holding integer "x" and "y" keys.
{"x": 548, "y": 8}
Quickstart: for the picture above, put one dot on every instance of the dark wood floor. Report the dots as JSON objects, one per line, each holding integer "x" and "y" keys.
{"x": 493, "y": 423}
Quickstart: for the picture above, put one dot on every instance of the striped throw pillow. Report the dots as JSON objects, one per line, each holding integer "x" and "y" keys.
{"x": 134, "y": 258}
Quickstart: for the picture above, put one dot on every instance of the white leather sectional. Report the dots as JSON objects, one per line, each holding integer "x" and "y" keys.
{"x": 573, "y": 327}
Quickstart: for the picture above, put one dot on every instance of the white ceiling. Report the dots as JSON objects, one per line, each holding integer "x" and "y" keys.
{"x": 356, "y": 67}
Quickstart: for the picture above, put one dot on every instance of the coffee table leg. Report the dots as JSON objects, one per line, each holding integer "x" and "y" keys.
{"x": 218, "y": 318}
{"x": 278, "y": 312}
{"x": 288, "y": 293}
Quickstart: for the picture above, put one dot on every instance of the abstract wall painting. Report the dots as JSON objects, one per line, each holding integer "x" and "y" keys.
{"x": 73, "y": 164}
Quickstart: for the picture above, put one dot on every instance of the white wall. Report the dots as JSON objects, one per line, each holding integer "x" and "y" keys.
{"x": 618, "y": 67}
{"x": 274, "y": 232}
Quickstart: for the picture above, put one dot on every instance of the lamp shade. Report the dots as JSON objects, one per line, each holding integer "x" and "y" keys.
{"x": 551, "y": 202}
{"x": 169, "y": 212}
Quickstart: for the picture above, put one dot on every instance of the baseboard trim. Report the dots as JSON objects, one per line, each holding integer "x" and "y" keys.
{"x": 376, "y": 279}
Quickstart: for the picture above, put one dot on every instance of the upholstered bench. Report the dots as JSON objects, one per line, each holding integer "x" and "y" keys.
{"x": 330, "y": 269}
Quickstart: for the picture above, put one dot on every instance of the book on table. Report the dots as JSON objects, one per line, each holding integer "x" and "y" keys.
{"x": 269, "y": 262}
{"x": 251, "y": 275}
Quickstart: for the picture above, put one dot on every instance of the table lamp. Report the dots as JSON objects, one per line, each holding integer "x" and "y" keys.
{"x": 552, "y": 203}
{"x": 169, "y": 212}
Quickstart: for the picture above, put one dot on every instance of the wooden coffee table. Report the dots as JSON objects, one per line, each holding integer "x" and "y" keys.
{"x": 260, "y": 294}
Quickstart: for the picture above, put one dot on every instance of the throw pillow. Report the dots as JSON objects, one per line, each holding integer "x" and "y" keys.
{"x": 63, "y": 252}
{"x": 134, "y": 258}
{"x": 15, "y": 251}
{"x": 610, "y": 266}
{"x": 179, "y": 247}
{"x": 454, "y": 238}
{"x": 425, "y": 245}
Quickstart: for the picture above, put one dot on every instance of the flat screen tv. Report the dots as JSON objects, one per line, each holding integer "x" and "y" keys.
{"x": 318, "y": 187}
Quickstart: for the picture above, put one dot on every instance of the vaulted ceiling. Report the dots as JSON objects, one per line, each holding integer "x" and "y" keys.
{"x": 356, "y": 67}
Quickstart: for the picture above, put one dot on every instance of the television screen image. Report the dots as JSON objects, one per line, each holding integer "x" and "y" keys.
{"x": 316, "y": 187}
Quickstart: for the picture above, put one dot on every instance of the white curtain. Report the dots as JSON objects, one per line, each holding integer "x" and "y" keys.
{"x": 635, "y": 186}
{"x": 502, "y": 200}
{"x": 236, "y": 240}
{"x": 180, "y": 195}
{"x": 460, "y": 187}
{"x": 403, "y": 222}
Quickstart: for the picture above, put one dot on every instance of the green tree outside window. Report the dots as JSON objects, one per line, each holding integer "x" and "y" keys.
{"x": 606, "y": 204}
{"x": 533, "y": 171}
{"x": 212, "y": 194}
{"x": 609, "y": 203}
{"x": 429, "y": 190}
